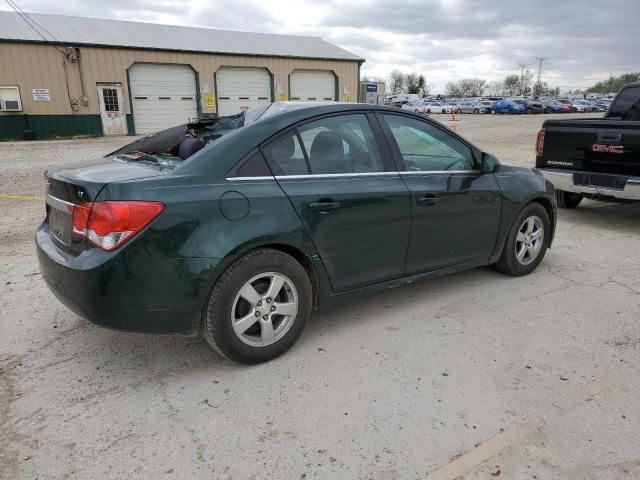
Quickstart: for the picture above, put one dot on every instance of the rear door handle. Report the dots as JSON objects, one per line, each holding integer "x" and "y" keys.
{"x": 428, "y": 199}
{"x": 324, "y": 206}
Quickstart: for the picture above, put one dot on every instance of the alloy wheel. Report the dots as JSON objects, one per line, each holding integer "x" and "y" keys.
{"x": 264, "y": 309}
{"x": 529, "y": 240}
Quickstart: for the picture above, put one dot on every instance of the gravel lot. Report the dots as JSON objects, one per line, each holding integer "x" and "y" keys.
{"x": 475, "y": 375}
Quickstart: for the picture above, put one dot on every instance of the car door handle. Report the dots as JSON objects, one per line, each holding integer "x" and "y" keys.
{"x": 428, "y": 199}
{"x": 609, "y": 137}
{"x": 324, "y": 206}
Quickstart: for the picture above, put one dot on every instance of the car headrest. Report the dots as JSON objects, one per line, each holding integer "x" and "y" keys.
{"x": 327, "y": 153}
{"x": 283, "y": 148}
{"x": 190, "y": 146}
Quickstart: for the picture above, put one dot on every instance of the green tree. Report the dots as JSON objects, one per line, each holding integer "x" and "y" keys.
{"x": 613, "y": 84}
{"x": 511, "y": 85}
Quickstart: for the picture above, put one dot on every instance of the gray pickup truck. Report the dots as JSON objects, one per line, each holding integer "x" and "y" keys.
{"x": 596, "y": 158}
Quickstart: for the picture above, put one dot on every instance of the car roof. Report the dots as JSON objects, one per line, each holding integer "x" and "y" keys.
{"x": 242, "y": 141}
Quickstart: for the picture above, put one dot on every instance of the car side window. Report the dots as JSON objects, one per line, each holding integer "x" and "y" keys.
{"x": 627, "y": 104}
{"x": 341, "y": 144}
{"x": 426, "y": 148}
{"x": 285, "y": 155}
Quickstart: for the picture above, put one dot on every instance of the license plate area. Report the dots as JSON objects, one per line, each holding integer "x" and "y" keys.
{"x": 612, "y": 182}
{"x": 60, "y": 219}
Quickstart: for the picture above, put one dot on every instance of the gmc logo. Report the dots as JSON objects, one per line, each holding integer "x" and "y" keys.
{"x": 607, "y": 148}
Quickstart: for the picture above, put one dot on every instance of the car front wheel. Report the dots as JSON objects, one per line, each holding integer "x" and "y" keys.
{"x": 258, "y": 307}
{"x": 568, "y": 199}
{"x": 527, "y": 241}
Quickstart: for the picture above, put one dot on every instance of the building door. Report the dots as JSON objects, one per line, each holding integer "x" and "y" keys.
{"x": 162, "y": 96}
{"x": 114, "y": 118}
{"x": 242, "y": 88}
{"x": 312, "y": 85}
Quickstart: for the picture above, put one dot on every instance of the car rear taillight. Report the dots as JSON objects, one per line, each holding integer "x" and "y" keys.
{"x": 540, "y": 143}
{"x": 109, "y": 225}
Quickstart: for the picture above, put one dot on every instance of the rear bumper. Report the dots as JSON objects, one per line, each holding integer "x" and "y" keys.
{"x": 128, "y": 291}
{"x": 563, "y": 180}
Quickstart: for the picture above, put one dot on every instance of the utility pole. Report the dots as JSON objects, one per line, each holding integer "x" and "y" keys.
{"x": 539, "y": 81}
{"x": 522, "y": 67}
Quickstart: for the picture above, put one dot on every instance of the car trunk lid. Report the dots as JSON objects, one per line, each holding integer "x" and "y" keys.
{"x": 80, "y": 184}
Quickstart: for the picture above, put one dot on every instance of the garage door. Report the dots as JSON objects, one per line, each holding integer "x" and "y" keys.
{"x": 162, "y": 96}
{"x": 242, "y": 87}
{"x": 312, "y": 85}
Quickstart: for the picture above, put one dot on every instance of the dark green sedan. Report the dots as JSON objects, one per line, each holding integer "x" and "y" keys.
{"x": 240, "y": 227}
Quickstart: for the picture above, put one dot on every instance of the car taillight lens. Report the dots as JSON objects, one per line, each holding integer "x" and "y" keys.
{"x": 540, "y": 143}
{"x": 109, "y": 225}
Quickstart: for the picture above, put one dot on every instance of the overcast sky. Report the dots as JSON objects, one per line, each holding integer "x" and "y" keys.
{"x": 582, "y": 41}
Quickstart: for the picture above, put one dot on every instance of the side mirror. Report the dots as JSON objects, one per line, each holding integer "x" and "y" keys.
{"x": 489, "y": 163}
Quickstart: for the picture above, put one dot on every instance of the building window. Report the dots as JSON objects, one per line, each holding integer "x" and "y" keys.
{"x": 110, "y": 97}
{"x": 10, "y": 99}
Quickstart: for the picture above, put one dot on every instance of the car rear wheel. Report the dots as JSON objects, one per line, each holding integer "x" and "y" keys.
{"x": 568, "y": 199}
{"x": 258, "y": 307}
{"x": 527, "y": 241}
{"x": 444, "y": 110}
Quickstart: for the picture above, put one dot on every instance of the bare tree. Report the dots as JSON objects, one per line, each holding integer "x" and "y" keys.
{"x": 395, "y": 82}
{"x": 454, "y": 88}
{"x": 495, "y": 88}
{"x": 473, "y": 87}
{"x": 466, "y": 87}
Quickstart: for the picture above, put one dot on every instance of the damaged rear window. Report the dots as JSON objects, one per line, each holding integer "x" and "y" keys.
{"x": 168, "y": 148}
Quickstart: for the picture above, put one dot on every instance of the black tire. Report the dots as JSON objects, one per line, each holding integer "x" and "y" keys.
{"x": 217, "y": 325}
{"x": 476, "y": 111}
{"x": 529, "y": 111}
{"x": 509, "y": 263}
{"x": 444, "y": 110}
{"x": 568, "y": 199}
{"x": 428, "y": 110}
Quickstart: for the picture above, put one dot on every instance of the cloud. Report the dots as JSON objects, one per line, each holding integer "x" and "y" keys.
{"x": 582, "y": 41}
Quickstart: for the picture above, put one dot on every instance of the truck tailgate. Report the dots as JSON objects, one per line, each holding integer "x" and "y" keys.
{"x": 592, "y": 145}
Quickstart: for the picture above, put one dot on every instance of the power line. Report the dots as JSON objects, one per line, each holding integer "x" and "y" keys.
{"x": 31, "y": 22}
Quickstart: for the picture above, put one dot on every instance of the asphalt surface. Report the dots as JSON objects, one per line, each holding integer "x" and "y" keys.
{"x": 474, "y": 375}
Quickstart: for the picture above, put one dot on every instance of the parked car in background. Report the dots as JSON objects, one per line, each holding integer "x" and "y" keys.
{"x": 587, "y": 106}
{"x": 417, "y": 107}
{"x": 507, "y": 106}
{"x": 597, "y": 107}
{"x": 551, "y": 106}
{"x": 238, "y": 228}
{"x": 530, "y": 106}
{"x": 455, "y": 106}
{"x": 473, "y": 107}
{"x": 575, "y": 106}
{"x": 488, "y": 105}
{"x": 438, "y": 107}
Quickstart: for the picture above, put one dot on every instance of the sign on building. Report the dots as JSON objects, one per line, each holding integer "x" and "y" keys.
{"x": 41, "y": 95}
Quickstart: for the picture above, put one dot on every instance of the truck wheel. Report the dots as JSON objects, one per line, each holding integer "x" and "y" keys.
{"x": 568, "y": 199}
{"x": 258, "y": 307}
{"x": 527, "y": 241}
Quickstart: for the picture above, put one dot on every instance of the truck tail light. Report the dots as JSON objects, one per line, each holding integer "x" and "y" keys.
{"x": 109, "y": 225}
{"x": 540, "y": 143}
